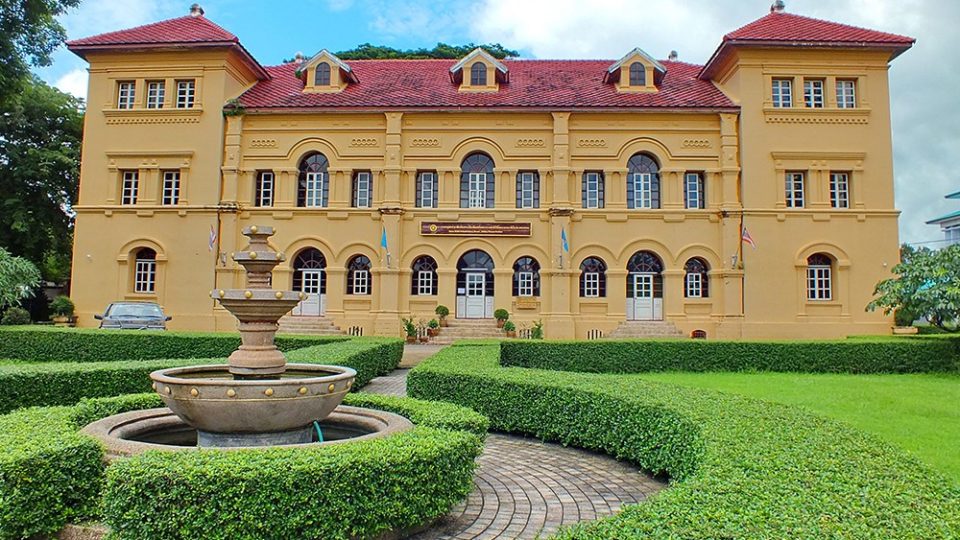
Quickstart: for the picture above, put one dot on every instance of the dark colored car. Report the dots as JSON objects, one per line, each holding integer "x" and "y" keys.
{"x": 133, "y": 316}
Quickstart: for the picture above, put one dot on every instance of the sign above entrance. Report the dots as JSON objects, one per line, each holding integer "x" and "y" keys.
{"x": 453, "y": 228}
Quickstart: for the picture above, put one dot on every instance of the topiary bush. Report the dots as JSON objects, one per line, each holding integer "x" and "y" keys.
{"x": 15, "y": 316}
{"x": 861, "y": 355}
{"x": 62, "y": 306}
{"x": 740, "y": 468}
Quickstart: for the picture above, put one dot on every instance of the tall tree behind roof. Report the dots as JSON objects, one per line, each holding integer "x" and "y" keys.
{"x": 366, "y": 51}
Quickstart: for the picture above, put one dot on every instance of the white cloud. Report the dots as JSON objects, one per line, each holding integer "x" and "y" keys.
{"x": 74, "y": 82}
{"x": 339, "y": 5}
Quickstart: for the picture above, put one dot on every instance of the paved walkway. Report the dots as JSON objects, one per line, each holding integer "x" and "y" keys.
{"x": 524, "y": 487}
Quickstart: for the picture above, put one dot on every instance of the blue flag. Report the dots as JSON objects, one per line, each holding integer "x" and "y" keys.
{"x": 383, "y": 239}
{"x": 563, "y": 240}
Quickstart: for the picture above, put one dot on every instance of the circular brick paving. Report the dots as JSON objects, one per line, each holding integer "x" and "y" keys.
{"x": 524, "y": 487}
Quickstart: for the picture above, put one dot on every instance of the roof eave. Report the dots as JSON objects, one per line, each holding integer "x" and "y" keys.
{"x": 82, "y": 49}
{"x": 349, "y": 109}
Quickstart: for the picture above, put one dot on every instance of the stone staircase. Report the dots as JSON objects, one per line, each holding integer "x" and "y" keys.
{"x": 322, "y": 326}
{"x": 468, "y": 329}
{"x": 645, "y": 329}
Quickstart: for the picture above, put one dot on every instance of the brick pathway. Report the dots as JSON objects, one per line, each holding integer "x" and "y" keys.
{"x": 524, "y": 487}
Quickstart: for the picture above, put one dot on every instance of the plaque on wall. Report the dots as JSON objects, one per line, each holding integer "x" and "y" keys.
{"x": 454, "y": 228}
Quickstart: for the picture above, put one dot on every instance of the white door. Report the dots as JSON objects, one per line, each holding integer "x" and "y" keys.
{"x": 312, "y": 305}
{"x": 475, "y": 307}
{"x": 641, "y": 306}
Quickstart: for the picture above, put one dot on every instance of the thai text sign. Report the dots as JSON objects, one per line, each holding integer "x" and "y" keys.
{"x": 440, "y": 228}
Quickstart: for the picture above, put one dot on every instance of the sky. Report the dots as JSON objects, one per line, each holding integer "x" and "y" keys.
{"x": 923, "y": 81}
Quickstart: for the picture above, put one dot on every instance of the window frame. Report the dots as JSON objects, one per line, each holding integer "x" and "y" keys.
{"x": 425, "y": 285}
{"x": 814, "y": 93}
{"x": 362, "y": 189}
{"x": 359, "y": 280}
{"x": 840, "y": 189}
{"x": 638, "y": 77}
{"x": 696, "y": 180}
{"x": 171, "y": 188}
{"x": 322, "y": 77}
{"x": 819, "y": 279}
{"x": 126, "y": 95}
{"x": 145, "y": 272}
{"x": 477, "y": 192}
{"x": 782, "y": 92}
{"x": 593, "y": 278}
{"x": 528, "y": 197}
{"x": 596, "y": 191}
{"x": 846, "y": 95}
{"x": 696, "y": 279}
{"x": 478, "y": 77}
{"x": 794, "y": 197}
{"x": 129, "y": 187}
{"x": 263, "y": 191}
{"x": 186, "y": 93}
{"x": 591, "y": 285}
{"x": 156, "y": 94}
{"x": 422, "y": 201}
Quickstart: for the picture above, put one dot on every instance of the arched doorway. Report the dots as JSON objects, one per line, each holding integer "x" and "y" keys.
{"x": 475, "y": 285}
{"x": 644, "y": 287}
{"x": 310, "y": 278}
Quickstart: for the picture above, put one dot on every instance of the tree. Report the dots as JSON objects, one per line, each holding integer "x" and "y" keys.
{"x": 367, "y": 51}
{"x": 40, "y": 134}
{"x": 927, "y": 284}
{"x": 18, "y": 278}
{"x": 29, "y": 32}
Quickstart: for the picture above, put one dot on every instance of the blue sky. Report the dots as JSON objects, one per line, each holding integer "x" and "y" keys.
{"x": 925, "y": 112}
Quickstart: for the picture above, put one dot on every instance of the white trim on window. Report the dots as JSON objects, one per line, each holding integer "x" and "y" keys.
{"x": 427, "y": 198}
{"x": 130, "y": 187}
{"x": 693, "y": 190}
{"x": 591, "y": 284}
{"x": 156, "y": 94}
{"x": 264, "y": 189}
{"x": 527, "y": 181}
{"x": 186, "y": 93}
{"x": 313, "y": 196}
{"x": 171, "y": 188}
{"x": 361, "y": 282}
{"x": 846, "y": 93}
{"x": 694, "y": 285}
{"x": 794, "y": 189}
{"x": 477, "y": 190}
{"x": 819, "y": 283}
{"x": 424, "y": 283}
{"x": 593, "y": 189}
{"x": 145, "y": 276}
{"x": 126, "y": 94}
{"x": 840, "y": 190}
{"x": 361, "y": 190}
{"x": 782, "y": 93}
{"x": 813, "y": 93}
{"x": 642, "y": 184}
{"x": 525, "y": 284}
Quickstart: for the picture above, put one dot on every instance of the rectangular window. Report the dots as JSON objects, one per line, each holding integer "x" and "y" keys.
{"x": 362, "y": 190}
{"x": 846, "y": 94}
{"x": 693, "y": 194}
{"x": 592, "y": 190}
{"x": 186, "y": 92}
{"x": 528, "y": 190}
{"x": 840, "y": 190}
{"x": 130, "y": 186}
{"x": 477, "y": 187}
{"x": 171, "y": 188}
{"x": 264, "y": 189}
{"x": 794, "y": 193}
{"x": 819, "y": 286}
{"x": 156, "y": 93}
{"x": 424, "y": 283}
{"x": 126, "y": 94}
{"x": 813, "y": 93}
{"x": 361, "y": 282}
{"x": 694, "y": 285}
{"x": 642, "y": 184}
{"x": 782, "y": 93}
{"x": 426, "y": 190}
{"x": 951, "y": 235}
{"x": 591, "y": 285}
{"x": 314, "y": 190}
{"x": 524, "y": 283}
{"x": 145, "y": 276}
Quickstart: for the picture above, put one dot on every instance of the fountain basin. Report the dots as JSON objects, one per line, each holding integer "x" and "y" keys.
{"x": 211, "y": 400}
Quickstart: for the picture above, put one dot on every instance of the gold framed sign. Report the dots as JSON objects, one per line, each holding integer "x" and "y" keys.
{"x": 454, "y": 228}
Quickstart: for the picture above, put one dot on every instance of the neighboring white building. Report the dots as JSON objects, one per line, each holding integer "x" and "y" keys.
{"x": 950, "y": 223}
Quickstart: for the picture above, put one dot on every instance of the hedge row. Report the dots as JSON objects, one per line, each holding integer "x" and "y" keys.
{"x": 883, "y": 355}
{"x": 740, "y": 468}
{"x": 51, "y": 344}
{"x": 51, "y": 475}
{"x": 54, "y": 383}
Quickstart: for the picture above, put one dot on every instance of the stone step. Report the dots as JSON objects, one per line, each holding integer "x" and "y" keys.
{"x": 293, "y": 324}
{"x": 645, "y": 329}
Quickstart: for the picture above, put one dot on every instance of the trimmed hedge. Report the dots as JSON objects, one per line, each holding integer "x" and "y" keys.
{"x": 861, "y": 355}
{"x": 53, "y": 383}
{"x": 436, "y": 414}
{"x": 740, "y": 468}
{"x": 51, "y": 475}
{"x": 52, "y": 344}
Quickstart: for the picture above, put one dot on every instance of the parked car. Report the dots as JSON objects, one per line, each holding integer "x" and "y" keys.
{"x": 133, "y": 316}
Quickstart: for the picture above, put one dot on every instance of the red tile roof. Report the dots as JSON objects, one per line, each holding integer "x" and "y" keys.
{"x": 778, "y": 28}
{"x": 181, "y": 30}
{"x": 425, "y": 84}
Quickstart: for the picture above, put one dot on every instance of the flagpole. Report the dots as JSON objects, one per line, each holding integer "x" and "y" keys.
{"x": 743, "y": 268}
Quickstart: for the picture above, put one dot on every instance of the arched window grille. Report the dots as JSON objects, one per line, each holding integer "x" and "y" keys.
{"x": 309, "y": 272}
{"x": 358, "y": 275}
{"x": 819, "y": 277}
{"x": 643, "y": 182}
{"x": 313, "y": 186}
{"x": 695, "y": 281}
{"x": 645, "y": 262}
{"x": 424, "y": 282}
{"x": 593, "y": 278}
{"x": 526, "y": 277}
{"x": 145, "y": 271}
{"x": 476, "y": 181}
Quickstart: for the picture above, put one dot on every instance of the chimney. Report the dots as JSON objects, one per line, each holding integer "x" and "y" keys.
{"x": 298, "y": 58}
{"x": 196, "y": 10}
{"x": 673, "y": 56}
{"x": 777, "y": 7}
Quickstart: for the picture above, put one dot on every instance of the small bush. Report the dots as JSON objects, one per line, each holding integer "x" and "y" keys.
{"x": 436, "y": 414}
{"x": 62, "y": 306}
{"x": 509, "y": 326}
{"x": 442, "y": 311}
{"x": 501, "y": 314}
{"x": 15, "y": 316}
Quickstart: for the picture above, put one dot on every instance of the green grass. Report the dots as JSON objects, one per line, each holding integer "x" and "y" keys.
{"x": 920, "y": 413}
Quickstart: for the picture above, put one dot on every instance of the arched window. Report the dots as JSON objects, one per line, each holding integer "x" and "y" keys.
{"x": 645, "y": 263}
{"x": 819, "y": 277}
{"x": 476, "y": 181}
{"x": 526, "y": 277}
{"x": 309, "y": 272}
{"x": 478, "y": 74}
{"x": 145, "y": 271}
{"x": 638, "y": 74}
{"x": 593, "y": 278}
{"x": 322, "y": 77}
{"x": 643, "y": 182}
{"x": 695, "y": 282}
{"x": 313, "y": 187}
{"x": 358, "y": 275}
{"x": 475, "y": 261}
{"x": 424, "y": 276}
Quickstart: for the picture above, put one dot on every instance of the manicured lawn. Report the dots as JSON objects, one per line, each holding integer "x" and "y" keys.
{"x": 920, "y": 413}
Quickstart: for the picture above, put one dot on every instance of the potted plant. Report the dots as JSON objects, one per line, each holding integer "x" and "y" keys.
{"x": 433, "y": 327}
{"x": 510, "y": 329}
{"x": 501, "y": 315}
{"x": 442, "y": 312}
{"x": 422, "y": 331}
{"x": 410, "y": 329}
{"x": 903, "y": 319}
{"x": 537, "y": 331}
{"x": 62, "y": 309}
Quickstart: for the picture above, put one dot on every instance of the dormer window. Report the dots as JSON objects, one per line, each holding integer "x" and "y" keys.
{"x": 478, "y": 74}
{"x": 638, "y": 74}
{"x": 322, "y": 77}
{"x": 637, "y": 71}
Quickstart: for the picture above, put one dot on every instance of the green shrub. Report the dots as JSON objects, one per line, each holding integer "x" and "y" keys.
{"x": 49, "y": 474}
{"x": 62, "y": 306}
{"x": 741, "y": 468}
{"x": 442, "y": 311}
{"x": 47, "y": 344}
{"x": 15, "y": 316}
{"x": 370, "y": 357}
{"x": 861, "y": 355}
{"x": 501, "y": 314}
{"x": 509, "y": 326}
{"x": 436, "y": 414}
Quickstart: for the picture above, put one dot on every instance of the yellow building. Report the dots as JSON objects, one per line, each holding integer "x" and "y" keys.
{"x": 600, "y": 197}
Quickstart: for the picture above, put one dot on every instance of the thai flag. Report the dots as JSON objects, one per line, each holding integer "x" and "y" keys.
{"x": 747, "y": 238}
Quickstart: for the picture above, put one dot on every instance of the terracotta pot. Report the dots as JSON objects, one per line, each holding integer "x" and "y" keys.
{"x": 62, "y": 320}
{"x": 411, "y": 339}
{"x": 500, "y": 323}
{"x": 905, "y": 330}
{"x": 424, "y": 339}
{"x": 432, "y": 332}
{"x": 512, "y": 333}
{"x": 444, "y": 323}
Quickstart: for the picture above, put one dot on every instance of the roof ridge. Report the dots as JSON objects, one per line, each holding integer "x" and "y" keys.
{"x": 135, "y": 29}
{"x": 774, "y": 14}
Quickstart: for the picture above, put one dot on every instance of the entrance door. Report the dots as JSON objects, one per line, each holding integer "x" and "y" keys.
{"x": 476, "y": 295}
{"x": 643, "y": 306}
{"x": 313, "y": 304}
